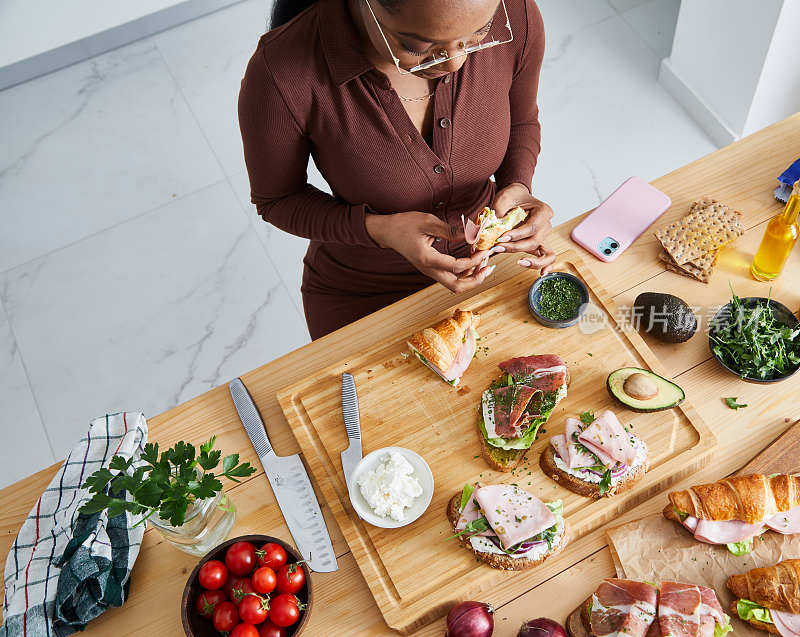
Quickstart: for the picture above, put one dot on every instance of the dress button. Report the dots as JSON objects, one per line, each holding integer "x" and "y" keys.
{"x": 438, "y": 169}
{"x": 444, "y": 122}
{"x": 440, "y": 204}
{"x": 447, "y": 79}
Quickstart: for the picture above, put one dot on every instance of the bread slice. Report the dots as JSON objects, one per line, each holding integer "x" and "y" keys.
{"x": 500, "y": 459}
{"x": 547, "y": 461}
{"x": 770, "y": 628}
{"x": 489, "y": 236}
{"x": 578, "y": 621}
{"x": 502, "y": 562}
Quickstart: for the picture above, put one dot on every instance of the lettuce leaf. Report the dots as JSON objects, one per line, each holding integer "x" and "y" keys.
{"x": 466, "y": 494}
{"x": 748, "y": 610}
{"x": 528, "y": 438}
{"x": 721, "y": 631}
{"x": 741, "y": 548}
{"x": 680, "y": 514}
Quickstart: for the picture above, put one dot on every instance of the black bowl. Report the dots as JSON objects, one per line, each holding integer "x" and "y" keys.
{"x": 535, "y": 292}
{"x": 196, "y": 626}
{"x": 782, "y": 314}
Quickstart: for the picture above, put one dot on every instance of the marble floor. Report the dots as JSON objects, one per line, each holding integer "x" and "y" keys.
{"x": 134, "y": 273}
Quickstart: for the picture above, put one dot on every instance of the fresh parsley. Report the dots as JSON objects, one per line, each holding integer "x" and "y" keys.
{"x": 733, "y": 404}
{"x": 167, "y": 483}
{"x": 605, "y": 484}
{"x": 587, "y": 417}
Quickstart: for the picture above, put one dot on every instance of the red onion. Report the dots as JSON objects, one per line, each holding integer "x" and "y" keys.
{"x": 541, "y": 627}
{"x": 470, "y": 619}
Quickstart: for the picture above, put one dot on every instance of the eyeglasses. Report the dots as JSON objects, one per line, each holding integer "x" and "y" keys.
{"x": 442, "y": 56}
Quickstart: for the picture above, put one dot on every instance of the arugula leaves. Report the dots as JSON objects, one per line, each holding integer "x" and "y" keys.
{"x": 754, "y": 343}
{"x": 466, "y": 494}
{"x": 587, "y": 417}
{"x": 166, "y": 483}
{"x": 605, "y": 484}
{"x": 733, "y": 404}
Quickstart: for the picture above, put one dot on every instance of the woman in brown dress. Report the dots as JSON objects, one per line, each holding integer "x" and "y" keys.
{"x": 409, "y": 109}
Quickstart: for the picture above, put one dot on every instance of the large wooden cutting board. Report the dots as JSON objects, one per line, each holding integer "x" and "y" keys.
{"x": 415, "y": 573}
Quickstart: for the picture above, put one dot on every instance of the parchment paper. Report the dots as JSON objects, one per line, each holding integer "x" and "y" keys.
{"x": 655, "y": 549}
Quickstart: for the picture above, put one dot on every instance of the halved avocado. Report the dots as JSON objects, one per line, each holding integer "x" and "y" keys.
{"x": 642, "y": 390}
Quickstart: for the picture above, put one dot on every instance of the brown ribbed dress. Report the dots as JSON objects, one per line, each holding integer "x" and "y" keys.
{"x": 310, "y": 90}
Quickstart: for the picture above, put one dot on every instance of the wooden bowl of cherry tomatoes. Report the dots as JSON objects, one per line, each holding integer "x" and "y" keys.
{"x": 250, "y": 586}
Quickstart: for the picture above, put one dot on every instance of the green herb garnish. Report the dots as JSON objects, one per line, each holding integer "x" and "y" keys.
{"x": 166, "y": 484}
{"x": 587, "y": 417}
{"x": 732, "y": 404}
{"x": 605, "y": 484}
{"x": 753, "y": 343}
{"x": 559, "y": 299}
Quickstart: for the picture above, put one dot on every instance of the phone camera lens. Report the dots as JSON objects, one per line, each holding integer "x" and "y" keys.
{"x": 614, "y": 245}
{"x": 607, "y": 251}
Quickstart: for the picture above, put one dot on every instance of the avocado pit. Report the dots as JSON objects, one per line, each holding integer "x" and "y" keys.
{"x": 639, "y": 386}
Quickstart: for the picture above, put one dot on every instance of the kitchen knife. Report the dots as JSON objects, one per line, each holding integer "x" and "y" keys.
{"x": 291, "y": 486}
{"x": 352, "y": 423}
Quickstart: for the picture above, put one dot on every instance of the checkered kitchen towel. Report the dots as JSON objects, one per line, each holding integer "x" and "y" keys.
{"x": 64, "y": 568}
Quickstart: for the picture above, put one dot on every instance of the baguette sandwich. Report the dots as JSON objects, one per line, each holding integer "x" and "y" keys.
{"x": 595, "y": 457}
{"x": 769, "y": 598}
{"x": 489, "y": 228}
{"x": 448, "y": 347}
{"x": 640, "y": 609}
{"x": 506, "y": 527}
{"x": 735, "y": 510}
{"x": 516, "y": 404}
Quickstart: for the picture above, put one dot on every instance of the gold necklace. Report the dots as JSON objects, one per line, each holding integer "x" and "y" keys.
{"x": 421, "y": 98}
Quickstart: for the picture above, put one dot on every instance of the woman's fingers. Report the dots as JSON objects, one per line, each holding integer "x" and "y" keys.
{"x": 435, "y": 260}
{"x": 542, "y": 258}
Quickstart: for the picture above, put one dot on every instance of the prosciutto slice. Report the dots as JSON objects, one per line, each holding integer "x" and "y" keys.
{"x": 788, "y": 624}
{"x": 607, "y": 438}
{"x": 514, "y": 514}
{"x": 787, "y": 522}
{"x": 509, "y": 405}
{"x": 548, "y": 370}
{"x": 623, "y": 607}
{"x": 686, "y": 610}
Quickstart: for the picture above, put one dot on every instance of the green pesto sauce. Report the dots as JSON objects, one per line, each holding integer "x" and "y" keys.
{"x": 559, "y": 299}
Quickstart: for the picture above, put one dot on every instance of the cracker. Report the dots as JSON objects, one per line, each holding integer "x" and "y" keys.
{"x": 702, "y": 274}
{"x": 700, "y": 232}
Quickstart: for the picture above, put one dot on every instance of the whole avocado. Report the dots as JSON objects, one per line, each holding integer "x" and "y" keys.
{"x": 665, "y": 316}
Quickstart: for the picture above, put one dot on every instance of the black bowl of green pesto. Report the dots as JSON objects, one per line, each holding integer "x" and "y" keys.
{"x": 558, "y": 299}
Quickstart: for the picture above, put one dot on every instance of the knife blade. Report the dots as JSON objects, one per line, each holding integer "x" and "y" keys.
{"x": 289, "y": 481}
{"x": 352, "y": 423}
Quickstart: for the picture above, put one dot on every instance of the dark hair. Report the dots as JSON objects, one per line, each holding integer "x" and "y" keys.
{"x": 285, "y": 10}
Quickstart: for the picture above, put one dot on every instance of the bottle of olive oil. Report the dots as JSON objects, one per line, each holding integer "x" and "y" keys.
{"x": 779, "y": 239}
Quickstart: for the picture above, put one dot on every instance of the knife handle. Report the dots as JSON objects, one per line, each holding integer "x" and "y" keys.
{"x": 352, "y": 421}
{"x": 251, "y": 419}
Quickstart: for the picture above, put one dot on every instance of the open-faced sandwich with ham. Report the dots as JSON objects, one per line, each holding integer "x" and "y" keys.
{"x": 735, "y": 510}
{"x": 596, "y": 456}
{"x": 627, "y": 608}
{"x": 769, "y": 598}
{"x": 507, "y": 527}
{"x": 449, "y": 346}
{"x": 517, "y": 404}
{"x": 489, "y": 228}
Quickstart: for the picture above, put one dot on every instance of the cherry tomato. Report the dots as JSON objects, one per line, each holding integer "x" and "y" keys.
{"x": 212, "y": 575}
{"x": 254, "y": 609}
{"x": 238, "y": 588}
{"x": 268, "y": 629}
{"x": 207, "y": 601}
{"x": 272, "y": 555}
{"x": 264, "y": 580}
{"x": 284, "y": 610}
{"x": 244, "y": 630}
{"x": 240, "y": 558}
{"x": 226, "y": 616}
{"x": 291, "y": 578}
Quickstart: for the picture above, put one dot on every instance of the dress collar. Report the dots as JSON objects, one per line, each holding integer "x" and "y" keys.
{"x": 341, "y": 42}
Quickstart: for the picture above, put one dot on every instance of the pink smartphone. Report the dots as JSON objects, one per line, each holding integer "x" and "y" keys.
{"x": 620, "y": 219}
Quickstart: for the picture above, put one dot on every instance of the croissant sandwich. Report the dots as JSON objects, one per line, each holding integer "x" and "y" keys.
{"x": 769, "y": 598}
{"x": 448, "y": 347}
{"x": 484, "y": 234}
{"x": 735, "y": 510}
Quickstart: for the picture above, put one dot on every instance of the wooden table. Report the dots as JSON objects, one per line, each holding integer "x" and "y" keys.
{"x": 742, "y": 175}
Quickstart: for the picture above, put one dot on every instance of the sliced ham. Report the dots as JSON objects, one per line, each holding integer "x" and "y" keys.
{"x": 623, "y": 607}
{"x": 577, "y": 457}
{"x": 687, "y": 610}
{"x": 559, "y": 443}
{"x": 472, "y": 230}
{"x": 607, "y": 438}
{"x": 463, "y": 357}
{"x": 690, "y": 522}
{"x": 470, "y": 513}
{"x": 787, "y": 522}
{"x": 725, "y": 532}
{"x": 788, "y": 624}
{"x": 509, "y": 404}
{"x": 514, "y": 514}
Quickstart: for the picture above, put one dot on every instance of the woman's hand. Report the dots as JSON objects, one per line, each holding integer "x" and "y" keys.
{"x": 530, "y": 235}
{"x": 413, "y": 234}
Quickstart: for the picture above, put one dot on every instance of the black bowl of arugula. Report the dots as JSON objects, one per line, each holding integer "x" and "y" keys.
{"x": 756, "y": 338}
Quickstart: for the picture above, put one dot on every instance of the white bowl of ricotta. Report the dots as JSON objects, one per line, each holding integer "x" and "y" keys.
{"x": 391, "y": 487}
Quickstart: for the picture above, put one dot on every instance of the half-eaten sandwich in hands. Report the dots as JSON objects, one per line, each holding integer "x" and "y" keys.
{"x": 448, "y": 347}
{"x": 769, "y": 598}
{"x": 735, "y": 510}
{"x": 517, "y": 404}
{"x": 507, "y": 527}
{"x": 484, "y": 234}
{"x": 626, "y": 608}
{"x": 596, "y": 456}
